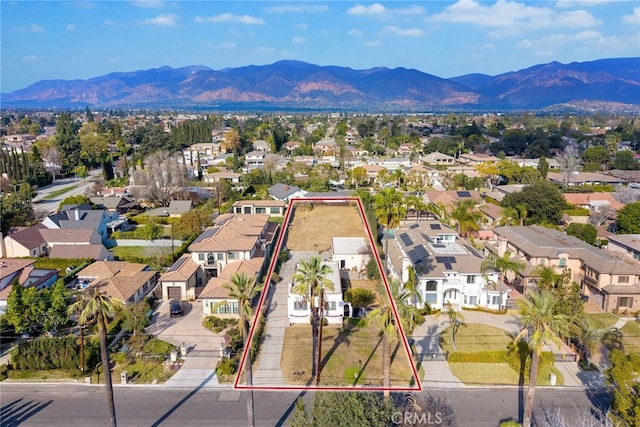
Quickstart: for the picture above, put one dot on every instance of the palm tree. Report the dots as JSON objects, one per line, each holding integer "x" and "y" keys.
{"x": 504, "y": 264}
{"x": 384, "y": 319}
{"x": 455, "y": 320}
{"x": 547, "y": 277}
{"x": 594, "y": 338}
{"x": 389, "y": 211}
{"x": 466, "y": 216}
{"x": 309, "y": 280}
{"x": 411, "y": 287}
{"x": 540, "y": 324}
{"x": 244, "y": 289}
{"x": 99, "y": 307}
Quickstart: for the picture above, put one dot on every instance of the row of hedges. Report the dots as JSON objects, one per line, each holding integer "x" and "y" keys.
{"x": 486, "y": 310}
{"x": 52, "y": 353}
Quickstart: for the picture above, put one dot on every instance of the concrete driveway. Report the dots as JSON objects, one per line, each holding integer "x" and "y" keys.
{"x": 203, "y": 346}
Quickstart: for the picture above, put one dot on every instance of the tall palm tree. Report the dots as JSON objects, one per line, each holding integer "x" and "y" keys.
{"x": 389, "y": 211}
{"x": 547, "y": 277}
{"x": 384, "y": 319}
{"x": 411, "y": 287}
{"x": 99, "y": 307}
{"x": 594, "y": 338}
{"x": 308, "y": 281}
{"x": 540, "y": 324}
{"x": 503, "y": 264}
{"x": 244, "y": 289}
{"x": 466, "y": 216}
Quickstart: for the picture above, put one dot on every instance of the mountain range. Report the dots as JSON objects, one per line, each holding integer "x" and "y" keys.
{"x": 606, "y": 84}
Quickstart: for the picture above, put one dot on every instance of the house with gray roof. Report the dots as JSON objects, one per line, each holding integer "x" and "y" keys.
{"x": 175, "y": 209}
{"x": 609, "y": 281}
{"x": 285, "y": 192}
{"x": 448, "y": 269}
{"x": 76, "y": 218}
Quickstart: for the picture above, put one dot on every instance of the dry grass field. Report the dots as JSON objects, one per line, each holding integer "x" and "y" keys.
{"x": 352, "y": 356}
{"x": 314, "y": 225}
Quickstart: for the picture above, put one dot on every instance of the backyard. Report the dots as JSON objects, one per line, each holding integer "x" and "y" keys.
{"x": 314, "y": 225}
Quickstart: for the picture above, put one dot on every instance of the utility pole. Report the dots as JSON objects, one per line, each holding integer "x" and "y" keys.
{"x": 81, "y": 348}
{"x": 320, "y": 325}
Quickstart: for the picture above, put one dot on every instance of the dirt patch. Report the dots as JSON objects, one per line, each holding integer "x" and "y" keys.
{"x": 314, "y": 225}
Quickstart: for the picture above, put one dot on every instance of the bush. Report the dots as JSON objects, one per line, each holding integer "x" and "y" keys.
{"x": 47, "y": 353}
{"x": 486, "y": 310}
{"x": 359, "y": 297}
{"x": 520, "y": 355}
{"x": 478, "y": 357}
{"x": 226, "y": 366}
{"x": 4, "y": 372}
{"x": 372, "y": 270}
{"x": 258, "y": 337}
{"x": 217, "y": 324}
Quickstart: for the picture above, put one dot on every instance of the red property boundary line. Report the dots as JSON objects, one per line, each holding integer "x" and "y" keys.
{"x": 267, "y": 289}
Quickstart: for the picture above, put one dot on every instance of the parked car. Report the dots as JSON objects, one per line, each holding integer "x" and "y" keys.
{"x": 175, "y": 308}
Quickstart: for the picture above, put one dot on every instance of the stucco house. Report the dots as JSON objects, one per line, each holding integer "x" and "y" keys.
{"x": 350, "y": 253}
{"x": 181, "y": 279}
{"x": 286, "y": 192}
{"x": 448, "y": 269}
{"x": 125, "y": 281}
{"x": 299, "y": 306}
{"x": 609, "y": 281}
{"x": 14, "y": 270}
{"x": 269, "y": 207}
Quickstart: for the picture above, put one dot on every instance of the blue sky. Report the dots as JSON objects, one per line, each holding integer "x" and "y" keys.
{"x": 79, "y": 40}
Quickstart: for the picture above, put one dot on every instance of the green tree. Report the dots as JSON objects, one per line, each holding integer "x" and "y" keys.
{"x": 623, "y": 376}
{"x": 244, "y": 289}
{"x": 15, "y": 211}
{"x": 150, "y": 231}
{"x": 78, "y": 199}
{"x": 56, "y": 314}
{"x": 543, "y": 201}
{"x": 98, "y": 308}
{"x": 596, "y": 158}
{"x": 540, "y": 324}
{"x": 136, "y": 316}
{"x": 389, "y": 211}
{"x": 68, "y": 143}
{"x": 624, "y": 160}
{"x": 628, "y": 221}
{"x": 467, "y": 217}
{"x": 16, "y": 315}
{"x": 194, "y": 222}
{"x": 543, "y": 167}
{"x": 309, "y": 280}
{"x": 585, "y": 232}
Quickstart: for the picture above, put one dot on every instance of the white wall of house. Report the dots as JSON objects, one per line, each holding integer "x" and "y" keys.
{"x": 461, "y": 291}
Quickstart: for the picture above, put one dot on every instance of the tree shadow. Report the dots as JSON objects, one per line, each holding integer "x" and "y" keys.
{"x": 343, "y": 337}
{"x": 366, "y": 362}
{"x": 175, "y": 407}
{"x": 287, "y": 413}
{"x": 17, "y": 412}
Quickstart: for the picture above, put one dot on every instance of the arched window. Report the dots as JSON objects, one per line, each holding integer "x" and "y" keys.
{"x": 432, "y": 285}
{"x": 562, "y": 263}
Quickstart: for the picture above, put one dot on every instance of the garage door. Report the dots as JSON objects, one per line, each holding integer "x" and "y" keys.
{"x": 174, "y": 292}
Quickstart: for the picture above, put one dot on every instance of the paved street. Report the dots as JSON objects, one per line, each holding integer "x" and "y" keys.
{"x": 84, "y": 405}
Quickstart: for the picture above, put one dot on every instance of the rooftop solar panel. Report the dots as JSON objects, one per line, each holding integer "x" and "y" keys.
{"x": 414, "y": 226}
{"x": 421, "y": 251}
{"x": 435, "y": 226}
{"x": 448, "y": 266}
{"x": 406, "y": 239}
{"x": 413, "y": 256}
{"x": 464, "y": 194}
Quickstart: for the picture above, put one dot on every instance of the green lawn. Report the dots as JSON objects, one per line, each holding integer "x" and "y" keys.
{"x": 498, "y": 374}
{"x": 124, "y": 252}
{"x": 476, "y": 337}
{"x": 631, "y": 337}
{"x": 603, "y": 320}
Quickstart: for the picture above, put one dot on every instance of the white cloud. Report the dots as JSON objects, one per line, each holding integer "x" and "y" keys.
{"x": 300, "y": 26}
{"x": 228, "y": 17}
{"x": 148, "y": 4}
{"x": 403, "y": 32}
{"x": 585, "y": 41}
{"x": 514, "y": 16}
{"x": 355, "y": 32}
{"x": 298, "y": 39}
{"x": 71, "y": 27}
{"x": 265, "y": 49}
{"x": 579, "y": 3}
{"x": 634, "y": 18}
{"x": 297, "y": 8}
{"x": 33, "y": 28}
{"x": 166, "y": 20}
{"x": 29, "y": 58}
{"x": 380, "y": 11}
{"x": 372, "y": 43}
{"x": 225, "y": 45}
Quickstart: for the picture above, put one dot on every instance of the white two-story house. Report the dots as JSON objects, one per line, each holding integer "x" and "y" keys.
{"x": 448, "y": 269}
{"x": 299, "y": 306}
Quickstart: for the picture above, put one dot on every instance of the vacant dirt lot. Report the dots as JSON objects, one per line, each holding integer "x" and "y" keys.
{"x": 314, "y": 225}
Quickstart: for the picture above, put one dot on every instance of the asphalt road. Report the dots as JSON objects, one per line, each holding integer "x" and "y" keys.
{"x": 84, "y": 405}
{"x": 76, "y": 186}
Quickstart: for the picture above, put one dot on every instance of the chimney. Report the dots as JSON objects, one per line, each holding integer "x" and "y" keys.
{"x": 502, "y": 245}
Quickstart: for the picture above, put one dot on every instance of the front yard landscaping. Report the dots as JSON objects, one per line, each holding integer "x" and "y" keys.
{"x": 352, "y": 356}
{"x": 631, "y": 337}
{"x": 482, "y": 357}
